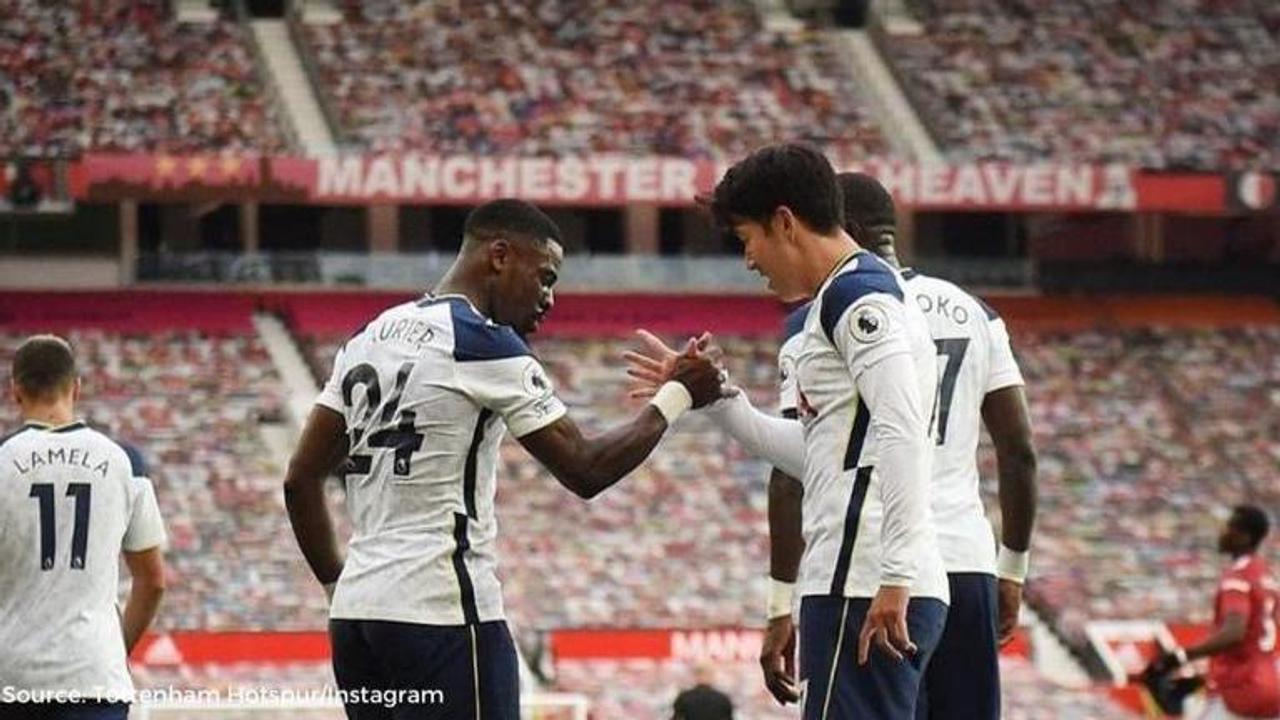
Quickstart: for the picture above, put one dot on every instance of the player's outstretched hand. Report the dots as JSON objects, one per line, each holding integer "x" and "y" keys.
{"x": 656, "y": 363}
{"x": 1163, "y": 664}
{"x": 886, "y": 625}
{"x": 1010, "y": 600}
{"x": 701, "y": 377}
{"x": 778, "y": 660}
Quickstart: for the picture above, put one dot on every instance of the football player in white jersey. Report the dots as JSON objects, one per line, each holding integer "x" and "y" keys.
{"x": 70, "y": 504}
{"x": 979, "y": 379}
{"x": 414, "y": 412}
{"x": 979, "y": 383}
{"x": 873, "y": 590}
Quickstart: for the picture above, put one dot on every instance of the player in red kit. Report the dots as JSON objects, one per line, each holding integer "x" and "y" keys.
{"x": 1243, "y": 680}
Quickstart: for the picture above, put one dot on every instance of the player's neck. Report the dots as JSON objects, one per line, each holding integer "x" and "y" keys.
{"x": 828, "y": 254}
{"x": 456, "y": 282}
{"x": 52, "y": 414}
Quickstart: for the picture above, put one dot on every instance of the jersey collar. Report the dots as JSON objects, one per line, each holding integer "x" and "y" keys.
{"x": 65, "y": 427}
{"x": 840, "y": 266}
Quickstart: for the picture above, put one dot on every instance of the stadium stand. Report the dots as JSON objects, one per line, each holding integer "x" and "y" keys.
{"x": 1159, "y": 428}
{"x": 125, "y": 76}
{"x": 1159, "y": 424}
{"x": 1168, "y": 85}
{"x": 185, "y": 380}
{"x": 696, "y": 79}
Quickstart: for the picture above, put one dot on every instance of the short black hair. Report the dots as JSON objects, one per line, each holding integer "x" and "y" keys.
{"x": 792, "y": 175}
{"x": 508, "y": 217}
{"x": 1251, "y": 520}
{"x": 43, "y": 366}
{"x": 866, "y": 201}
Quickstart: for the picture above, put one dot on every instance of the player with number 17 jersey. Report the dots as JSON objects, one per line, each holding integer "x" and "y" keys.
{"x": 974, "y": 359}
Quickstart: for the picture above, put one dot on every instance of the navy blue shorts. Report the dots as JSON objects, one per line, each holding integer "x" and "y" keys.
{"x": 458, "y": 672}
{"x": 880, "y": 690}
{"x": 963, "y": 678}
{"x": 64, "y": 711}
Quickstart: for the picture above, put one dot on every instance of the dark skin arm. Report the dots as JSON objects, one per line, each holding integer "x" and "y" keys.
{"x": 1005, "y": 414}
{"x": 1225, "y": 637}
{"x": 146, "y": 567}
{"x": 322, "y": 447}
{"x": 786, "y": 545}
{"x": 588, "y": 466}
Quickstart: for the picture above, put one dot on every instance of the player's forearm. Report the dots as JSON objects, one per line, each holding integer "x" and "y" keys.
{"x": 1017, "y": 471}
{"x": 139, "y": 611}
{"x": 778, "y": 441}
{"x": 1225, "y": 637}
{"x": 786, "y": 538}
{"x": 604, "y": 460}
{"x": 313, "y": 527}
{"x": 901, "y": 433}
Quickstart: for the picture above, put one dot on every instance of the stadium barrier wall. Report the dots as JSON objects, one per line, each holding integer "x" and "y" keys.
{"x": 330, "y": 312}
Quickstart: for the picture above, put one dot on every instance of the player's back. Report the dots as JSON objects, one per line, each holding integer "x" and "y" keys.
{"x": 68, "y": 503}
{"x": 858, "y": 319}
{"x": 1246, "y": 675}
{"x": 425, "y": 390}
{"x": 974, "y": 359}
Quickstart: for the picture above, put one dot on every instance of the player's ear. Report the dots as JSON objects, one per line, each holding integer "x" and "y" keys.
{"x": 784, "y": 224}
{"x": 500, "y": 254}
{"x": 75, "y": 391}
{"x": 15, "y": 393}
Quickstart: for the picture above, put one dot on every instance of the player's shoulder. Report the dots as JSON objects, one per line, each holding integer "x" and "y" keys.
{"x": 864, "y": 275}
{"x": 476, "y": 337}
{"x": 1241, "y": 574}
{"x": 793, "y": 325}
{"x": 130, "y": 456}
{"x": 10, "y": 440}
{"x": 30, "y": 437}
{"x": 1249, "y": 566}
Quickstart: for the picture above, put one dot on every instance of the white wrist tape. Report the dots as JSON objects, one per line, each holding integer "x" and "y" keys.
{"x": 1012, "y": 565}
{"x": 780, "y": 597}
{"x": 672, "y": 400}
{"x": 1180, "y": 653}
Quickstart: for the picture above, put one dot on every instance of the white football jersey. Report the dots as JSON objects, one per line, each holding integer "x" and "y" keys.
{"x": 69, "y": 504}
{"x": 427, "y": 390}
{"x": 858, "y": 320}
{"x": 974, "y": 358}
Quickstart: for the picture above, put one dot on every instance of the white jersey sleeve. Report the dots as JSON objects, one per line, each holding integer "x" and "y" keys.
{"x": 872, "y": 338}
{"x": 1003, "y": 369}
{"x": 331, "y": 394}
{"x": 788, "y": 354}
{"x": 778, "y": 441}
{"x": 146, "y": 528}
{"x": 517, "y": 389}
{"x": 869, "y": 331}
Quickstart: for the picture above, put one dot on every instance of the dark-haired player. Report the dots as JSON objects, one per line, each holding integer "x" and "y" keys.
{"x": 414, "y": 412}
{"x": 979, "y": 383}
{"x": 872, "y": 585}
{"x": 71, "y": 503}
{"x": 1243, "y": 680}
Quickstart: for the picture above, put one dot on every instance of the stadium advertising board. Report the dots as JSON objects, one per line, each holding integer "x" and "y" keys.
{"x": 611, "y": 180}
